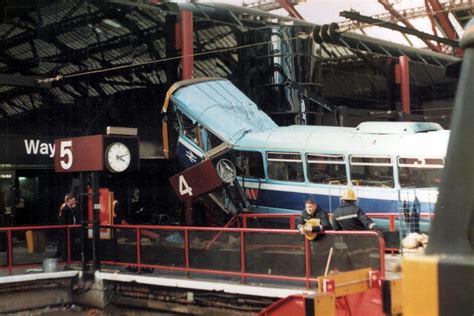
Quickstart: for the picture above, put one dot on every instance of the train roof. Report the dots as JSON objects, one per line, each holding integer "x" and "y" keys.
{"x": 228, "y": 113}
{"x": 222, "y": 108}
{"x": 390, "y": 140}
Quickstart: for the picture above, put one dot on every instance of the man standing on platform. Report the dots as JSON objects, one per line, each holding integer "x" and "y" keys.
{"x": 68, "y": 215}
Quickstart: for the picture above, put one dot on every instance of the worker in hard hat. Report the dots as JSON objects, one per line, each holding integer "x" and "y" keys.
{"x": 349, "y": 216}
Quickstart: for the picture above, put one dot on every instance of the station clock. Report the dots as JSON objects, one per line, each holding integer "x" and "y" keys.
{"x": 117, "y": 157}
{"x": 114, "y": 153}
{"x": 121, "y": 153}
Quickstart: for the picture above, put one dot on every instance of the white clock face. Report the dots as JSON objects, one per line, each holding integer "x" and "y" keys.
{"x": 117, "y": 157}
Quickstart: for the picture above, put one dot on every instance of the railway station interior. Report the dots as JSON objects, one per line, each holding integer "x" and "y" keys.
{"x": 158, "y": 157}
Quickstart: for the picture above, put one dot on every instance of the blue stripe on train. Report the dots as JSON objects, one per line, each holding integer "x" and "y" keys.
{"x": 283, "y": 200}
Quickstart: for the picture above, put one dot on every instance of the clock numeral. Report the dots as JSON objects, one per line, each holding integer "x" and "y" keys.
{"x": 184, "y": 188}
{"x": 65, "y": 154}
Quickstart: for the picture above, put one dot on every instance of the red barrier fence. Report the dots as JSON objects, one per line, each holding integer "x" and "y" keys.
{"x": 292, "y": 218}
{"x": 264, "y": 254}
{"x": 9, "y": 231}
{"x": 392, "y": 219}
{"x": 245, "y": 243}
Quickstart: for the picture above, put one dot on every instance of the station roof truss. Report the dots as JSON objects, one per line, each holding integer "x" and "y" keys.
{"x": 439, "y": 24}
{"x": 104, "y": 48}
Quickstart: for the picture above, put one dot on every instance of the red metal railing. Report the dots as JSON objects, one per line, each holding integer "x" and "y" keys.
{"x": 395, "y": 216}
{"x": 243, "y": 274}
{"x": 292, "y": 218}
{"x": 10, "y": 230}
{"x": 392, "y": 218}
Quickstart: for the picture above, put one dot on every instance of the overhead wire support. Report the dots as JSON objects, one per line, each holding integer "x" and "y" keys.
{"x": 347, "y": 39}
{"x": 393, "y": 26}
{"x": 400, "y": 18}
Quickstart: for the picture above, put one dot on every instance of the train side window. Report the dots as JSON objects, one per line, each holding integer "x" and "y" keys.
{"x": 212, "y": 140}
{"x": 195, "y": 132}
{"x": 328, "y": 169}
{"x": 420, "y": 172}
{"x": 285, "y": 166}
{"x": 188, "y": 128}
{"x": 250, "y": 164}
{"x": 372, "y": 171}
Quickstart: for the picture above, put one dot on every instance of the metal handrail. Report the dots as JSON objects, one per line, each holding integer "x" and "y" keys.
{"x": 188, "y": 269}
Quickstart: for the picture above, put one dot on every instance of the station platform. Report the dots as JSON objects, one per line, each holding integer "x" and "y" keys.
{"x": 201, "y": 270}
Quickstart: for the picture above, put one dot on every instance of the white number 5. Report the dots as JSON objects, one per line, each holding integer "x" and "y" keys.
{"x": 184, "y": 188}
{"x": 66, "y": 152}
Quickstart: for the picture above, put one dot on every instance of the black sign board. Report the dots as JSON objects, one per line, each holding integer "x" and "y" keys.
{"x": 27, "y": 150}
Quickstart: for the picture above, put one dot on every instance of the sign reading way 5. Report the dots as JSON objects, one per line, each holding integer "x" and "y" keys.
{"x": 79, "y": 154}
{"x": 65, "y": 154}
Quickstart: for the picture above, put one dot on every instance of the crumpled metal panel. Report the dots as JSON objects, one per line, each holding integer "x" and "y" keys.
{"x": 220, "y": 106}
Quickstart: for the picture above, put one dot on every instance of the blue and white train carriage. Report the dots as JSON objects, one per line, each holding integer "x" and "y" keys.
{"x": 390, "y": 165}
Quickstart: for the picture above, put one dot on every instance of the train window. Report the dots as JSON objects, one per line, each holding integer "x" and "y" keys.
{"x": 285, "y": 167}
{"x": 212, "y": 140}
{"x": 420, "y": 172}
{"x": 329, "y": 169}
{"x": 250, "y": 164}
{"x": 371, "y": 160}
{"x": 199, "y": 135}
{"x": 188, "y": 128}
{"x": 372, "y": 171}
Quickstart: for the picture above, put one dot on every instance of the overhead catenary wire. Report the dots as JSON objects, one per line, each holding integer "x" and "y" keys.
{"x": 414, "y": 16}
{"x": 302, "y": 35}
{"x": 155, "y": 61}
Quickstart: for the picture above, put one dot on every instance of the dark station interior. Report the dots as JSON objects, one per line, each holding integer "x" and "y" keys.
{"x": 117, "y": 59}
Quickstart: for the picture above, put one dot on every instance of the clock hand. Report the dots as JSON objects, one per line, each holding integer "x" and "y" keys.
{"x": 120, "y": 158}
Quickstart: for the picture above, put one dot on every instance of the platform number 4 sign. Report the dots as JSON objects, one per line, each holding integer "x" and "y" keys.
{"x": 184, "y": 188}
{"x": 195, "y": 181}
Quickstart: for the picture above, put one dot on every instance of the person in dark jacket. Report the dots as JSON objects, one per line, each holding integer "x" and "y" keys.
{"x": 349, "y": 216}
{"x": 68, "y": 215}
{"x": 313, "y": 210}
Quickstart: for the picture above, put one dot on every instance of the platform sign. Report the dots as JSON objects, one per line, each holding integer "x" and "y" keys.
{"x": 196, "y": 181}
{"x": 79, "y": 154}
{"x": 28, "y": 150}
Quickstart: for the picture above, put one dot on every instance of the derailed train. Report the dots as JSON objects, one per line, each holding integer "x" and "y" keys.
{"x": 394, "y": 167}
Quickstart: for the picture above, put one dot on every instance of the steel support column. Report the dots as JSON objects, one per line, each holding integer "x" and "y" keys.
{"x": 95, "y": 222}
{"x": 443, "y": 22}
{"x": 443, "y": 19}
{"x": 187, "y": 62}
{"x": 187, "y": 59}
{"x": 400, "y": 18}
{"x": 404, "y": 84}
{"x": 290, "y": 9}
{"x": 188, "y": 213}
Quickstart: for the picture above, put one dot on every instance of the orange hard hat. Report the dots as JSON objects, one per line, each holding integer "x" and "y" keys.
{"x": 349, "y": 195}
